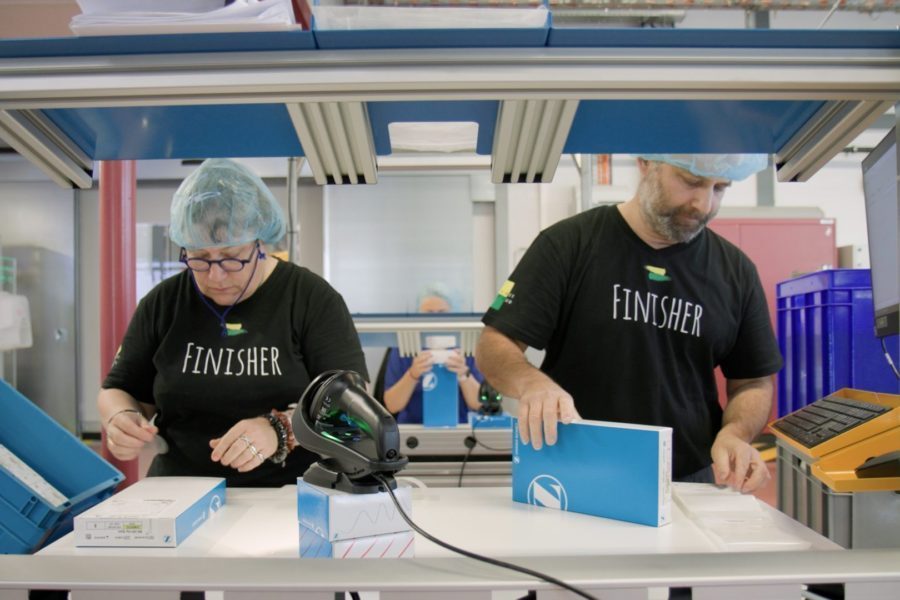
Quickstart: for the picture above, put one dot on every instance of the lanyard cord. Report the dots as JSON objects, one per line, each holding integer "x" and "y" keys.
{"x": 221, "y": 316}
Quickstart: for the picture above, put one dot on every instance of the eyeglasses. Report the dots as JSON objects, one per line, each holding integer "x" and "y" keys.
{"x": 230, "y": 265}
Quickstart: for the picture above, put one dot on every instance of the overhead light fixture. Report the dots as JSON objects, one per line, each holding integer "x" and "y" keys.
{"x": 529, "y": 139}
{"x": 39, "y": 140}
{"x": 337, "y": 141}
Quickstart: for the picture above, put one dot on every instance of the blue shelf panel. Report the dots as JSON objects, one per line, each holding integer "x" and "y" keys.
{"x": 483, "y": 112}
{"x": 157, "y": 44}
{"x": 723, "y": 38}
{"x": 151, "y": 132}
{"x": 632, "y": 126}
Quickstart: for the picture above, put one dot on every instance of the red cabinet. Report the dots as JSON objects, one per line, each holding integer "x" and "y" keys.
{"x": 780, "y": 249}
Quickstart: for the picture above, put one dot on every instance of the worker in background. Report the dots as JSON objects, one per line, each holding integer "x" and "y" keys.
{"x": 403, "y": 374}
{"x": 215, "y": 356}
{"x": 636, "y": 305}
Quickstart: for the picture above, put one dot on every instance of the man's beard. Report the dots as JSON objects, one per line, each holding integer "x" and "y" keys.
{"x": 677, "y": 225}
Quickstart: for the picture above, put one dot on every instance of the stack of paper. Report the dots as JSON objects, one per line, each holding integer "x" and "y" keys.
{"x": 427, "y": 17}
{"x": 123, "y": 17}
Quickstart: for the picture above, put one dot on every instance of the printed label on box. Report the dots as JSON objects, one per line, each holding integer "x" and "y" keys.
{"x": 154, "y": 512}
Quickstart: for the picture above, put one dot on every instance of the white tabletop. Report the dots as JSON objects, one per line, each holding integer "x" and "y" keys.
{"x": 263, "y": 522}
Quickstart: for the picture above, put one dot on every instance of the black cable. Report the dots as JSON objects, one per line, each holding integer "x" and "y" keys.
{"x": 354, "y": 595}
{"x": 475, "y": 422}
{"x": 887, "y": 355}
{"x": 470, "y": 442}
{"x": 482, "y": 558}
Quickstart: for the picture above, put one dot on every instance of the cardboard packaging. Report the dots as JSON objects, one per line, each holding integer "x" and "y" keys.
{"x": 390, "y": 545}
{"x": 154, "y": 512}
{"x": 440, "y": 389}
{"x": 335, "y": 515}
{"x": 614, "y": 470}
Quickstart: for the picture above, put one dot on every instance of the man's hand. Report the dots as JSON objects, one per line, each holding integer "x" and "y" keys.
{"x": 541, "y": 405}
{"x": 737, "y": 464}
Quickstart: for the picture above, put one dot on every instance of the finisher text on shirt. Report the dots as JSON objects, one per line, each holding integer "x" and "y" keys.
{"x": 261, "y": 361}
{"x": 664, "y": 312}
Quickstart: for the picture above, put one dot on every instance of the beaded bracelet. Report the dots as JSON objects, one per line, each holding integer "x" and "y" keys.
{"x": 281, "y": 433}
{"x": 285, "y": 419}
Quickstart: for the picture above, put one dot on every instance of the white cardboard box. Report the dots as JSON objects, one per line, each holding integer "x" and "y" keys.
{"x": 154, "y": 512}
{"x": 335, "y": 515}
{"x": 389, "y": 545}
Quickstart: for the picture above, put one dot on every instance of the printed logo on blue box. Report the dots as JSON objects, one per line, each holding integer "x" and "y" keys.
{"x": 614, "y": 470}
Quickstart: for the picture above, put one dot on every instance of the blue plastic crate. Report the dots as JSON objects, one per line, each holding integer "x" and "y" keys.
{"x": 27, "y": 521}
{"x": 827, "y": 337}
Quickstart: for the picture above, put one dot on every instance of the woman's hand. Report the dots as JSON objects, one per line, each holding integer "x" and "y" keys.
{"x": 127, "y": 432}
{"x": 421, "y": 364}
{"x": 246, "y": 445}
{"x": 457, "y": 364}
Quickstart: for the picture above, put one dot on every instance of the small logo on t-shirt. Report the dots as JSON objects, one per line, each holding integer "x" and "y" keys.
{"x": 657, "y": 273}
{"x": 232, "y": 329}
{"x": 504, "y": 296}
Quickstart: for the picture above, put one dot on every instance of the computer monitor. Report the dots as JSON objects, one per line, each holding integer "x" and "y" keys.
{"x": 880, "y": 169}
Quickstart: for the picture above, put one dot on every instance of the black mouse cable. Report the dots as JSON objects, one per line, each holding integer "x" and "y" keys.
{"x": 491, "y": 561}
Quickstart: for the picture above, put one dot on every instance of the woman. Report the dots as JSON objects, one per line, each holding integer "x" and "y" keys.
{"x": 214, "y": 357}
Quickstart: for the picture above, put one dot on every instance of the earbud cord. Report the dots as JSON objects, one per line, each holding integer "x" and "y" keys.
{"x": 221, "y": 316}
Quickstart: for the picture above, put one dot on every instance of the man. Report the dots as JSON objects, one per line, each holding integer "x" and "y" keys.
{"x": 636, "y": 305}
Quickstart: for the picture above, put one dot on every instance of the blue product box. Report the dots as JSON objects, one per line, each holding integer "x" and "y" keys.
{"x": 29, "y": 520}
{"x": 335, "y": 515}
{"x": 440, "y": 398}
{"x": 158, "y": 512}
{"x": 499, "y": 421}
{"x": 614, "y": 470}
{"x": 388, "y": 545}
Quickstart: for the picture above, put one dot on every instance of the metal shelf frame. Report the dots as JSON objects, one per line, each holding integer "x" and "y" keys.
{"x": 855, "y": 85}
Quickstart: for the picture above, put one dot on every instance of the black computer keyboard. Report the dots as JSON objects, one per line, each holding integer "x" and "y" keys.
{"x": 827, "y": 418}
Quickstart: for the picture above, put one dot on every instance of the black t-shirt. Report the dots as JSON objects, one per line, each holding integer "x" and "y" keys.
{"x": 294, "y": 327}
{"x": 634, "y": 333}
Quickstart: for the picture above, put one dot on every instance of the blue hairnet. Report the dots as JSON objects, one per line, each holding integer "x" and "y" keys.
{"x": 223, "y": 203}
{"x": 733, "y": 167}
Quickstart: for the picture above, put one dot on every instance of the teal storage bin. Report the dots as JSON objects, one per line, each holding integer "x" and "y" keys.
{"x": 826, "y": 332}
{"x": 28, "y": 521}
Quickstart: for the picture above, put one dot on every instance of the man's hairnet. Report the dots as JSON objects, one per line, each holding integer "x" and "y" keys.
{"x": 223, "y": 203}
{"x": 733, "y": 167}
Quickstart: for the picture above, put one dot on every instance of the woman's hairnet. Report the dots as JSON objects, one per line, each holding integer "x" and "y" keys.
{"x": 223, "y": 203}
{"x": 436, "y": 289}
{"x": 733, "y": 167}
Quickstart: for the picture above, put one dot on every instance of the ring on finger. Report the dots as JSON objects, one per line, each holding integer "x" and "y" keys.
{"x": 253, "y": 450}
